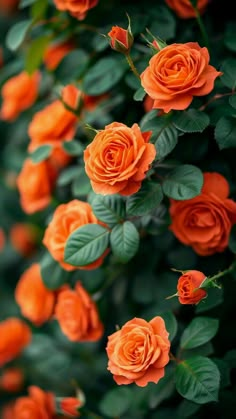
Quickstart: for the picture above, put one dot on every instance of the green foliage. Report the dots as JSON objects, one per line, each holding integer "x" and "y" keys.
{"x": 184, "y": 182}
{"x": 225, "y": 132}
{"x": 124, "y": 241}
{"x": 52, "y": 274}
{"x": 198, "y": 380}
{"x": 41, "y": 153}
{"x": 72, "y": 66}
{"x": 16, "y": 35}
{"x": 35, "y": 53}
{"x": 145, "y": 200}
{"x": 199, "y": 331}
{"x": 191, "y": 120}
{"x": 228, "y": 69}
{"x": 73, "y": 148}
{"x": 116, "y": 402}
{"x": 109, "y": 209}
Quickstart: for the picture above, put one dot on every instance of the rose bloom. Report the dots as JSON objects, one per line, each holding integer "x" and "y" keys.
{"x": 55, "y": 53}
{"x": 77, "y": 315}
{"x": 34, "y": 299}
{"x": 138, "y": 352}
{"x": 15, "y": 335}
{"x": 37, "y": 405}
{"x": 178, "y": 73}
{"x": 7, "y": 411}
{"x": 188, "y": 287}
{"x": 55, "y": 124}
{"x": 117, "y": 159}
{"x": 12, "y": 380}
{"x": 77, "y": 8}
{"x": 205, "y": 222}
{"x": 66, "y": 219}
{"x": 23, "y": 238}
{"x": 121, "y": 39}
{"x": 19, "y": 93}
{"x": 184, "y": 8}
{"x": 69, "y": 406}
{"x": 35, "y": 183}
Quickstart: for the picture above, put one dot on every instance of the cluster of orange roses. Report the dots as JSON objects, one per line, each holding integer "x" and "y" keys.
{"x": 116, "y": 162}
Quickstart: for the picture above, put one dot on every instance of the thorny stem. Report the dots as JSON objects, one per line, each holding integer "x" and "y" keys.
{"x": 132, "y": 66}
{"x": 216, "y": 97}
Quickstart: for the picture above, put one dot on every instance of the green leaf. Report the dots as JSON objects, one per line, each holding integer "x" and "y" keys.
{"x": 229, "y": 73}
{"x": 103, "y": 75}
{"x": 198, "y": 380}
{"x": 230, "y": 36}
{"x": 139, "y": 94}
{"x": 81, "y": 185}
{"x": 116, "y": 402}
{"x": 67, "y": 176}
{"x": 72, "y": 66}
{"x": 38, "y": 9}
{"x": 232, "y": 101}
{"x": 86, "y": 244}
{"x": 163, "y": 389}
{"x": 170, "y": 322}
{"x": 25, "y": 3}
{"x": 145, "y": 200}
{"x": 166, "y": 141}
{"x": 225, "y": 132}
{"x": 199, "y": 331}
{"x": 110, "y": 209}
{"x": 124, "y": 241}
{"x": 187, "y": 409}
{"x": 52, "y": 273}
{"x": 74, "y": 148}
{"x": 214, "y": 298}
{"x": 184, "y": 182}
{"x": 163, "y": 22}
{"x": 191, "y": 120}
{"x": 35, "y": 53}
{"x": 232, "y": 239}
{"x": 17, "y": 34}
{"x": 41, "y": 153}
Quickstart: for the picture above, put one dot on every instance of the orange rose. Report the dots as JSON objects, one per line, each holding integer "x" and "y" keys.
{"x": 118, "y": 158}
{"x": 37, "y": 405}
{"x": 15, "y": 335}
{"x": 66, "y": 219}
{"x": 204, "y": 222}
{"x": 55, "y": 53}
{"x": 77, "y": 315}
{"x": 19, "y": 93}
{"x": 69, "y": 406}
{"x": 188, "y": 287}
{"x": 121, "y": 40}
{"x": 23, "y": 238}
{"x": 77, "y": 8}
{"x": 55, "y": 124}
{"x": 35, "y": 184}
{"x": 7, "y": 411}
{"x": 8, "y": 7}
{"x": 178, "y": 73}
{"x": 12, "y": 380}
{"x": 138, "y": 352}
{"x": 184, "y": 8}
{"x": 35, "y": 300}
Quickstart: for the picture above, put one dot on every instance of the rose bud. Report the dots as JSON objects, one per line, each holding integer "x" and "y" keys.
{"x": 121, "y": 40}
{"x": 69, "y": 406}
{"x": 188, "y": 287}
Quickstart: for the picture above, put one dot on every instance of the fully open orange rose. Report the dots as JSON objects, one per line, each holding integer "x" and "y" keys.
{"x": 15, "y": 335}
{"x": 139, "y": 351}
{"x": 23, "y": 238}
{"x": 66, "y": 219}
{"x": 37, "y": 405}
{"x": 19, "y": 93}
{"x": 205, "y": 222}
{"x": 35, "y": 300}
{"x": 184, "y": 8}
{"x": 55, "y": 53}
{"x": 35, "y": 184}
{"x": 178, "y": 73}
{"x": 77, "y": 315}
{"x": 77, "y": 8}
{"x": 118, "y": 158}
{"x": 188, "y": 287}
{"x": 12, "y": 380}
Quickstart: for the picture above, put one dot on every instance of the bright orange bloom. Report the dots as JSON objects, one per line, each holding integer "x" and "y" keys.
{"x": 188, "y": 287}
{"x": 12, "y": 380}
{"x": 35, "y": 183}
{"x": 184, "y": 8}
{"x": 178, "y": 73}
{"x": 37, "y": 405}
{"x": 121, "y": 40}
{"x": 35, "y": 300}
{"x": 77, "y": 8}
{"x": 55, "y": 53}
{"x": 205, "y": 222}
{"x": 66, "y": 219}
{"x": 19, "y": 93}
{"x": 23, "y": 237}
{"x": 117, "y": 159}
{"x": 15, "y": 336}
{"x": 77, "y": 315}
{"x": 139, "y": 351}
{"x": 69, "y": 406}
